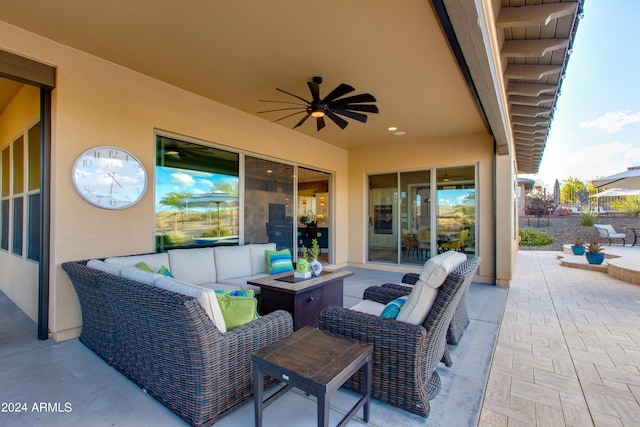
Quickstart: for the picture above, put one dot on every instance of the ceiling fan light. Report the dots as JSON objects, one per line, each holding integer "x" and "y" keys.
{"x": 317, "y": 112}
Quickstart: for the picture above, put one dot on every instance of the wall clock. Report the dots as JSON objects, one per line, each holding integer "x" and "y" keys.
{"x": 109, "y": 177}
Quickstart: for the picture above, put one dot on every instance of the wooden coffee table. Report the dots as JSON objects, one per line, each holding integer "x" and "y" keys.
{"x": 315, "y": 362}
{"x": 304, "y": 299}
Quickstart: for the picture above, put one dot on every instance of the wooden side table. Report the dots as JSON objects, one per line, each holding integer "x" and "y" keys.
{"x": 315, "y": 362}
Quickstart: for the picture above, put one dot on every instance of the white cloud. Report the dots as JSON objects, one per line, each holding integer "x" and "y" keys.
{"x": 586, "y": 163}
{"x": 613, "y": 121}
{"x": 182, "y": 179}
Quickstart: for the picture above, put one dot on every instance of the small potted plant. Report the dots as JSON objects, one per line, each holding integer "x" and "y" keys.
{"x": 314, "y": 265}
{"x": 594, "y": 253}
{"x": 578, "y": 246}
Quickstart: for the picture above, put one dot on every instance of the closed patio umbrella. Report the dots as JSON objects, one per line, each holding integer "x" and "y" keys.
{"x": 208, "y": 200}
{"x": 629, "y": 179}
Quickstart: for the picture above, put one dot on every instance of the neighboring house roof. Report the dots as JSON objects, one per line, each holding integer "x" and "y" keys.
{"x": 512, "y": 54}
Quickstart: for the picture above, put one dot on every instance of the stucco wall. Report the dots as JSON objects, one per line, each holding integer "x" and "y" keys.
{"x": 18, "y": 276}
{"x": 418, "y": 155}
{"x": 99, "y": 103}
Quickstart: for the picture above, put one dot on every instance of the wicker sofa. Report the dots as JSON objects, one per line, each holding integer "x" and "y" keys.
{"x": 167, "y": 342}
{"x": 405, "y": 356}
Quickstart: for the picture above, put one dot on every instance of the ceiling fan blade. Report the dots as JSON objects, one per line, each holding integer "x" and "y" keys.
{"x": 287, "y": 116}
{"x": 356, "y": 116}
{"x": 302, "y": 121}
{"x": 337, "y": 120}
{"x": 341, "y": 90}
{"x": 295, "y": 96}
{"x": 366, "y": 108}
{"x": 315, "y": 90}
{"x": 320, "y": 123}
{"x": 363, "y": 97}
{"x": 282, "y": 109}
{"x": 283, "y": 102}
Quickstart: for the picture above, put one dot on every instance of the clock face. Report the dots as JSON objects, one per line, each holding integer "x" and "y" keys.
{"x": 109, "y": 177}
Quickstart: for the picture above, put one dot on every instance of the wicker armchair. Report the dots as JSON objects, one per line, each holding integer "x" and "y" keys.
{"x": 460, "y": 319}
{"x": 405, "y": 356}
{"x": 165, "y": 343}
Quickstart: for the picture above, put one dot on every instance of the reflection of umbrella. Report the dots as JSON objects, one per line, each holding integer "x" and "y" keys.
{"x": 556, "y": 194}
{"x": 617, "y": 193}
{"x": 208, "y": 200}
{"x": 629, "y": 179}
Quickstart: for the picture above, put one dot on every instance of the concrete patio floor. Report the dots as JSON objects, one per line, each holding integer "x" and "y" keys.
{"x": 567, "y": 353}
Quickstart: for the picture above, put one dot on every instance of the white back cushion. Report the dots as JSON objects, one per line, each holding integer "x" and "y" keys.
{"x": 154, "y": 261}
{"x": 232, "y": 261}
{"x": 103, "y": 266}
{"x": 258, "y": 259}
{"x": 193, "y": 266}
{"x": 425, "y": 291}
{"x": 133, "y": 273}
{"x": 206, "y": 298}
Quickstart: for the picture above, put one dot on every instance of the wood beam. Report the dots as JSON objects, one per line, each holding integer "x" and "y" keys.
{"x": 541, "y": 14}
{"x": 532, "y": 71}
{"x": 27, "y": 70}
{"x": 532, "y": 48}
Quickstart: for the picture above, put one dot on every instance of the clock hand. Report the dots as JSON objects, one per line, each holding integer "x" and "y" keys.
{"x": 113, "y": 179}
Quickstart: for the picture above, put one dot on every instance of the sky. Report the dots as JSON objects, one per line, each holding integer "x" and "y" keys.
{"x": 596, "y": 127}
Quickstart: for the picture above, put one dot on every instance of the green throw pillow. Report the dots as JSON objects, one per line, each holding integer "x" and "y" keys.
{"x": 144, "y": 266}
{"x": 238, "y": 307}
{"x": 278, "y": 261}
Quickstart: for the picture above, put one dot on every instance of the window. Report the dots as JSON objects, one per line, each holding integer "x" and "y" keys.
{"x": 196, "y": 195}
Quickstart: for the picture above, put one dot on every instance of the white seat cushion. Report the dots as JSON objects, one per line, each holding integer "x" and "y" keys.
{"x": 206, "y": 297}
{"x": 425, "y": 291}
{"x": 258, "y": 260}
{"x": 369, "y": 307}
{"x": 193, "y": 266}
{"x": 232, "y": 261}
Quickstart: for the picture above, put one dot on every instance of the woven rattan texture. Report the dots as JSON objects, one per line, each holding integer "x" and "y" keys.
{"x": 166, "y": 343}
{"x": 405, "y": 356}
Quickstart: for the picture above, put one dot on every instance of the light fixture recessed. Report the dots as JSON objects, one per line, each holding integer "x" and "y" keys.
{"x": 399, "y": 133}
{"x": 392, "y": 128}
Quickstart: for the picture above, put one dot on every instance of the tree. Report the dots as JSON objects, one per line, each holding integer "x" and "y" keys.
{"x": 174, "y": 200}
{"x": 538, "y": 203}
{"x": 571, "y": 191}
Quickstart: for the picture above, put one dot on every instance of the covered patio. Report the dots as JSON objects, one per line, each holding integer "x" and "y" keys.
{"x": 567, "y": 353}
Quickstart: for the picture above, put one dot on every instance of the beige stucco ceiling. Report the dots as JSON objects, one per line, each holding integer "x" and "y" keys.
{"x": 237, "y": 52}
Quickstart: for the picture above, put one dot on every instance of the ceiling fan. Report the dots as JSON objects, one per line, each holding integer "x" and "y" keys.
{"x": 332, "y": 106}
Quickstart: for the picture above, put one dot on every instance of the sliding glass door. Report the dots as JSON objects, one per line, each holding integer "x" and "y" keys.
{"x": 416, "y": 215}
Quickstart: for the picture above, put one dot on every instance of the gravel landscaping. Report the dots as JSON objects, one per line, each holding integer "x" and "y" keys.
{"x": 565, "y": 229}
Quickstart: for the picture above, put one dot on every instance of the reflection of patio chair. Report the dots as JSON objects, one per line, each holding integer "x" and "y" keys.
{"x": 456, "y": 243}
{"x": 409, "y": 241}
{"x": 424, "y": 242}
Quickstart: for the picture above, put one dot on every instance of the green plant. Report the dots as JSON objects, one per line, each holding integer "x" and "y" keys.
{"x": 587, "y": 219}
{"x": 530, "y": 237}
{"x": 315, "y": 249}
{"x": 578, "y": 241}
{"x": 594, "y": 247}
{"x": 630, "y": 205}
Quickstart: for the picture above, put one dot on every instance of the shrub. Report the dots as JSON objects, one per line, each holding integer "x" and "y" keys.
{"x": 563, "y": 211}
{"x": 530, "y": 237}
{"x": 629, "y": 205}
{"x": 587, "y": 219}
